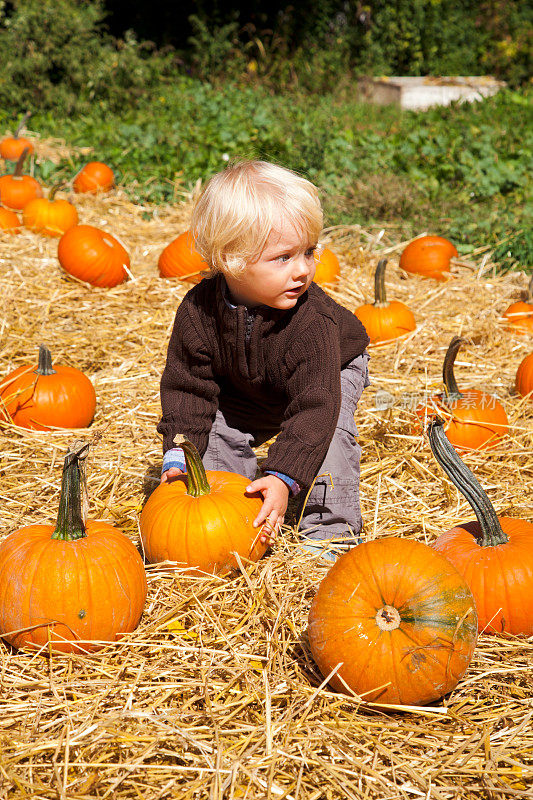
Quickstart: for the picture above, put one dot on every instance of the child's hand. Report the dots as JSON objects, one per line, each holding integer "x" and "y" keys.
{"x": 275, "y": 498}
{"x": 170, "y": 474}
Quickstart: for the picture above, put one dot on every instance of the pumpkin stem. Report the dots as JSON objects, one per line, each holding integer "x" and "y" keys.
{"x": 44, "y": 365}
{"x": 492, "y": 533}
{"x": 197, "y": 483}
{"x": 73, "y": 501}
{"x": 55, "y": 188}
{"x": 21, "y": 124}
{"x": 450, "y": 385}
{"x": 379, "y": 285}
{"x": 20, "y": 163}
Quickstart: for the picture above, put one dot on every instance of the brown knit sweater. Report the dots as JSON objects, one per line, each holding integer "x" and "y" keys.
{"x": 274, "y": 371}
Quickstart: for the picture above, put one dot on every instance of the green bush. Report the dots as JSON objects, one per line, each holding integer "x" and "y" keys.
{"x": 55, "y": 54}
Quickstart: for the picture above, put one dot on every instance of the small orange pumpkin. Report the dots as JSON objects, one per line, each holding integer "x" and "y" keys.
{"x": 180, "y": 259}
{"x": 74, "y": 586}
{"x": 49, "y": 216}
{"x": 393, "y": 623}
{"x": 327, "y": 267}
{"x": 474, "y": 420}
{"x": 519, "y": 315}
{"x": 494, "y": 554}
{"x": 9, "y": 221}
{"x": 93, "y": 255}
{"x": 201, "y": 522}
{"x": 46, "y": 395}
{"x": 384, "y": 320}
{"x": 17, "y": 190}
{"x": 93, "y": 178}
{"x": 524, "y": 376}
{"x": 11, "y": 147}
{"x": 429, "y": 256}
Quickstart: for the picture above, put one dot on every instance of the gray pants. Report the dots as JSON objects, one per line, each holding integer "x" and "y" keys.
{"x": 332, "y": 509}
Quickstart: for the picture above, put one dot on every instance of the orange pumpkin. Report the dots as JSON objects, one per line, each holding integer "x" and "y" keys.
{"x": 393, "y": 623}
{"x": 46, "y": 395}
{"x": 49, "y": 216}
{"x": 524, "y": 376}
{"x": 429, "y": 256}
{"x": 180, "y": 259}
{"x": 327, "y": 267}
{"x": 93, "y": 178}
{"x": 384, "y": 320}
{"x": 17, "y": 190}
{"x": 12, "y": 147}
{"x": 74, "y": 586}
{"x": 493, "y": 554}
{"x": 201, "y": 521}
{"x": 474, "y": 420}
{"x": 519, "y": 315}
{"x": 9, "y": 221}
{"x": 93, "y": 255}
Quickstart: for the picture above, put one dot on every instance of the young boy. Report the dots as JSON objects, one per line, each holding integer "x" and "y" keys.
{"x": 258, "y": 349}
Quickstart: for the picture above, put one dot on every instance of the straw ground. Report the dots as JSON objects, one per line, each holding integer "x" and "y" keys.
{"x": 215, "y": 695}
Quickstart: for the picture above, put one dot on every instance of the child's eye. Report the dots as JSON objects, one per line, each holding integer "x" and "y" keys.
{"x": 310, "y": 251}
{"x": 284, "y": 257}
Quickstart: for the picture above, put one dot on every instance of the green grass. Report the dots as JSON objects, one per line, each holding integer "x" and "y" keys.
{"x": 459, "y": 171}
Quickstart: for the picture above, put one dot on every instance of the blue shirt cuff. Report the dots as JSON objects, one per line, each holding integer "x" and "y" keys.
{"x": 294, "y": 487}
{"x": 174, "y": 458}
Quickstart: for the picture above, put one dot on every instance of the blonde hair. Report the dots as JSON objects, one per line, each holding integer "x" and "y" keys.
{"x": 241, "y": 205}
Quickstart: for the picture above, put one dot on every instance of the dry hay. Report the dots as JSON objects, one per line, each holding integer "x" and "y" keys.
{"x": 215, "y": 695}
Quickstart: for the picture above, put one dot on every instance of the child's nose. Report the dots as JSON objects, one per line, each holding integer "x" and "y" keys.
{"x": 302, "y": 266}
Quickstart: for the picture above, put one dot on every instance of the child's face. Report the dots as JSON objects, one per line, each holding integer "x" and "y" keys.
{"x": 280, "y": 275}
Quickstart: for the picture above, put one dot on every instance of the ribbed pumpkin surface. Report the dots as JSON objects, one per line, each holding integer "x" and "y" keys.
{"x": 524, "y": 376}
{"x": 94, "y": 177}
{"x": 93, "y": 255}
{"x": 473, "y": 422}
{"x": 65, "y": 399}
{"x": 500, "y": 577}
{"x": 402, "y": 622}
{"x": 202, "y": 531}
{"x": 429, "y": 256}
{"x": 16, "y": 191}
{"x": 91, "y": 589}
{"x": 327, "y": 267}
{"x": 180, "y": 259}
{"x": 49, "y": 217}
{"x": 387, "y": 322}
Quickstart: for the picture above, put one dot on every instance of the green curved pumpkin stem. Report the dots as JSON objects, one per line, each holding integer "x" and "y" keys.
{"x": 197, "y": 483}
{"x": 73, "y": 501}
{"x": 44, "y": 364}
{"x": 54, "y": 189}
{"x": 379, "y": 285}
{"x": 21, "y": 124}
{"x": 492, "y": 533}
{"x": 450, "y": 385}
{"x": 20, "y": 163}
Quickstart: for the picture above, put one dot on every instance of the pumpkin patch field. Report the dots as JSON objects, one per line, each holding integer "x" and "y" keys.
{"x": 216, "y": 692}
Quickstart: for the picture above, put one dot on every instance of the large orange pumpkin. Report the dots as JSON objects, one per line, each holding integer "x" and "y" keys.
{"x": 393, "y": 623}
{"x": 93, "y": 255}
{"x": 73, "y": 586}
{"x": 474, "y": 420}
{"x": 519, "y": 315}
{"x": 9, "y": 221}
{"x": 49, "y": 216}
{"x": 201, "y": 521}
{"x": 17, "y": 190}
{"x": 494, "y": 554}
{"x": 384, "y": 320}
{"x": 327, "y": 267}
{"x": 180, "y": 259}
{"x": 429, "y": 256}
{"x": 44, "y": 396}
{"x": 524, "y": 376}
{"x": 12, "y": 147}
{"x": 93, "y": 178}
